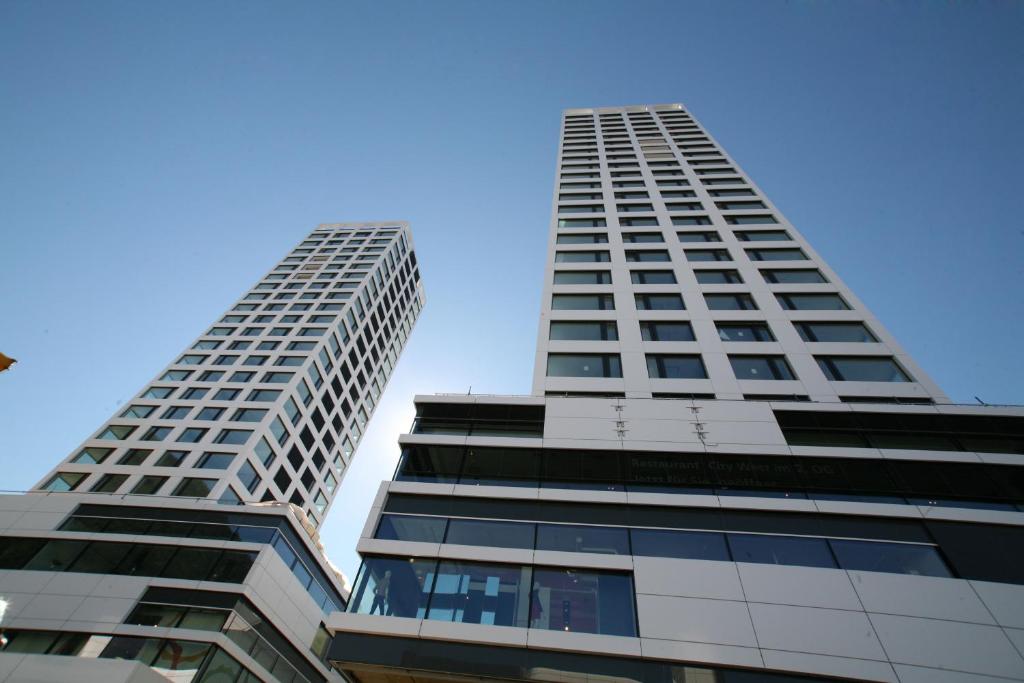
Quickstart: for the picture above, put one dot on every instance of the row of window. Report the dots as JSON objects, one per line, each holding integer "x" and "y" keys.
{"x": 664, "y": 301}
{"x": 183, "y": 661}
{"x": 703, "y": 276}
{"x": 686, "y": 237}
{"x": 745, "y": 367}
{"x": 728, "y": 331}
{"x": 555, "y": 599}
{"x": 804, "y": 551}
{"x": 213, "y": 531}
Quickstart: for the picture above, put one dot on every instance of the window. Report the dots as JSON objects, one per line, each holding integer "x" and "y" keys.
{"x": 134, "y": 456}
{"x": 675, "y": 366}
{"x": 834, "y": 332}
{"x": 861, "y": 369}
{"x": 646, "y": 256}
{"x": 248, "y": 415}
{"x": 116, "y": 432}
{"x": 583, "y": 539}
{"x": 109, "y": 483}
{"x": 155, "y": 434}
{"x": 396, "y": 587}
{"x": 659, "y": 302}
{"x": 264, "y": 395}
{"x": 653, "y": 277}
{"x": 760, "y": 367}
{"x": 707, "y": 255}
{"x": 582, "y": 257}
{"x": 762, "y": 235}
{"x": 584, "y": 365}
{"x": 194, "y": 393}
{"x": 264, "y": 452}
{"x": 718, "y": 277}
{"x": 666, "y": 331}
{"x": 413, "y": 528}
{"x": 788, "y": 550}
{"x": 192, "y": 435}
{"x": 583, "y": 601}
{"x": 690, "y": 220}
{"x": 235, "y": 437}
{"x": 582, "y": 238}
{"x": 641, "y": 237}
{"x": 793, "y": 276}
{"x": 171, "y": 458}
{"x": 684, "y": 545}
{"x": 704, "y": 236}
{"x": 215, "y": 461}
{"x": 760, "y": 219}
{"x": 210, "y": 414}
{"x": 897, "y": 558}
{"x": 776, "y": 255}
{"x": 138, "y": 411}
{"x": 176, "y": 413}
{"x": 92, "y": 455}
{"x": 745, "y": 332}
{"x": 194, "y": 488}
{"x": 582, "y": 277}
{"x": 812, "y": 302}
{"x": 149, "y": 485}
{"x": 158, "y": 392}
{"x": 583, "y": 331}
{"x": 278, "y": 377}
{"x": 730, "y": 302}
{"x": 582, "y": 302}
{"x": 581, "y": 223}
{"x": 491, "y": 533}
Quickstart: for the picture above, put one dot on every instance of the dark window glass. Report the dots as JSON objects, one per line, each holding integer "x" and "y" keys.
{"x": 196, "y": 488}
{"x": 675, "y": 366}
{"x": 181, "y": 655}
{"x": 687, "y": 545}
{"x": 652, "y": 330}
{"x": 834, "y": 332}
{"x": 853, "y": 369}
{"x": 761, "y": 219}
{"x": 582, "y": 277}
{"x": 584, "y": 365}
{"x": 490, "y": 533}
{"x": 896, "y": 558}
{"x": 642, "y": 237}
{"x": 582, "y": 302}
{"x": 730, "y": 302}
{"x": 146, "y": 560}
{"x": 791, "y": 550}
{"x": 691, "y": 220}
{"x": 583, "y": 539}
{"x": 232, "y": 567}
{"x": 745, "y": 332}
{"x": 580, "y": 330}
{"x": 101, "y": 558}
{"x": 776, "y": 255}
{"x": 148, "y": 485}
{"x": 476, "y": 593}
{"x": 648, "y": 255}
{"x": 171, "y": 458}
{"x": 56, "y": 556}
{"x": 659, "y": 302}
{"x": 718, "y": 277}
{"x": 191, "y": 563}
{"x": 582, "y": 238}
{"x": 411, "y": 528}
{"x": 653, "y": 277}
{"x": 582, "y": 257}
{"x": 707, "y": 255}
{"x": 812, "y": 302}
{"x": 15, "y": 552}
{"x": 156, "y": 615}
{"x": 394, "y": 587}
{"x": 793, "y": 276}
{"x": 702, "y": 236}
{"x": 760, "y": 367}
{"x": 582, "y": 601}
{"x": 109, "y": 483}
{"x": 762, "y": 235}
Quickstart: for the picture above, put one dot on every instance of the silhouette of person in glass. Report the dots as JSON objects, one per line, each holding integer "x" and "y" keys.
{"x": 380, "y": 594}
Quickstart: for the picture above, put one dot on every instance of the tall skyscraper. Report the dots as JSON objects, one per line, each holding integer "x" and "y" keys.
{"x": 180, "y": 538}
{"x": 728, "y": 471}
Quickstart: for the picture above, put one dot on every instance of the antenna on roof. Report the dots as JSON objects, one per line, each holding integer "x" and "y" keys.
{"x": 980, "y": 401}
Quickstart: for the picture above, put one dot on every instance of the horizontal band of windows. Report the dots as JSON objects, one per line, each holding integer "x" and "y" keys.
{"x": 803, "y": 551}
{"x": 178, "y": 660}
{"x": 126, "y": 559}
{"x": 868, "y": 479}
{"x": 978, "y": 433}
{"x": 546, "y": 598}
{"x": 287, "y": 544}
{"x": 421, "y": 658}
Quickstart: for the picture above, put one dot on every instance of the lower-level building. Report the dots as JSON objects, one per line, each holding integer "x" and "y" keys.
{"x": 615, "y": 539}
{"x": 97, "y": 588}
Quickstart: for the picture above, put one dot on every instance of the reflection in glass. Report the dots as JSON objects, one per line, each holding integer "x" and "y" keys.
{"x": 898, "y": 558}
{"x": 392, "y": 587}
{"x": 475, "y": 593}
{"x": 583, "y": 602}
{"x": 791, "y": 550}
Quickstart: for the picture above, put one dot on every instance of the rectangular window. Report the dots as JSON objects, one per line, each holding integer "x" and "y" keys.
{"x": 793, "y": 276}
{"x": 684, "y": 545}
{"x": 583, "y": 539}
{"x": 582, "y": 238}
{"x": 812, "y": 302}
{"x": 192, "y": 487}
{"x": 659, "y": 302}
{"x": 642, "y": 237}
{"x": 652, "y": 330}
{"x": 740, "y": 206}
{"x": 109, "y": 483}
{"x": 92, "y": 455}
{"x": 760, "y": 219}
{"x": 788, "y": 550}
{"x": 134, "y": 456}
{"x": 397, "y": 587}
{"x": 149, "y": 485}
{"x": 745, "y": 332}
{"x": 834, "y": 332}
{"x": 762, "y": 235}
{"x": 702, "y": 236}
{"x": 414, "y": 528}
{"x": 191, "y": 435}
{"x": 861, "y": 369}
{"x": 583, "y": 601}
{"x": 718, "y": 277}
{"x": 760, "y": 367}
{"x": 897, "y": 558}
{"x": 138, "y": 411}
{"x": 730, "y": 302}
{"x": 707, "y": 255}
{"x": 583, "y": 331}
{"x": 155, "y": 434}
{"x": 776, "y": 255}
{"x": 582, "y": 302}
{"x": 236, "y": 437}
{"x": 637, "y": 256}
{"x": 581, "y": 223}
{"x": 583, "y": 277}
{"x": 584, "y": 365}
{"x": 582, "y": 257}
{"x": 675, "y": 366}
{"x": 690, "y": 220}
{"x": 116, "y": 432}
{"x": 215, "y": 461}
{"x": 653, "y": 277}
{"x": 248, "y": 415}
{"x": 490, "y": 533}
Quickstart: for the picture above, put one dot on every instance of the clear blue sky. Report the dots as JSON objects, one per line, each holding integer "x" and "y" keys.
{"x": 157, "y": 157}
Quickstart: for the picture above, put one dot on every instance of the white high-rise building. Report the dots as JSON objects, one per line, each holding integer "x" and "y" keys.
{"x": 728, "y": 471}
{"x": 179, "y": 541}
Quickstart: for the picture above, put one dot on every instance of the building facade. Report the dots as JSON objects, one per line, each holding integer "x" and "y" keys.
{"x": 728, "y": 471}
{"x": 179, "y": 541}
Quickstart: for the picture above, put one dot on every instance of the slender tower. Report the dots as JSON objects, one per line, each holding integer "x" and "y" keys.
{"x": 180, "y": 538}
{"x": 728, "y": 471}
